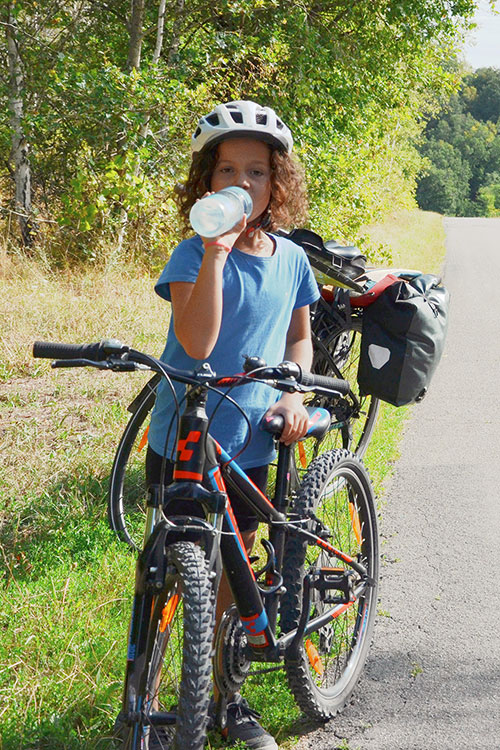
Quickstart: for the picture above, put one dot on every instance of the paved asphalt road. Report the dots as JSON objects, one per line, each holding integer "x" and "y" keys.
{"x": 433, "y": 678}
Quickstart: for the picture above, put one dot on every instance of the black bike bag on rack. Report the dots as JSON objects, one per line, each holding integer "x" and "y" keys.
{"x": 331, "y": 262}
{"x": 403, "y": 337}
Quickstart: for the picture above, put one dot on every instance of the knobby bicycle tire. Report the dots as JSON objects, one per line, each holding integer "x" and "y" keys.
{"x": 127, "y": 484}
{"x": 178, "y": 664}
{"x": 338, "y": 493}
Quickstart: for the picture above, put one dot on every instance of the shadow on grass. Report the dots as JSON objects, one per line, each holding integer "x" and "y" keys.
{"x": 58, "y": 737}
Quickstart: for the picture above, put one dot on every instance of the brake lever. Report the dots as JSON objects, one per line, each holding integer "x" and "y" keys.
{"x": 114, "y": 365}
{"x": 291, "y": 386}
{"x": 79, "y": 363}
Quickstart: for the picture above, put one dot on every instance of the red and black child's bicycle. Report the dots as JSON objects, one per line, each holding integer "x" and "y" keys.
{"x": 310, "y": 608}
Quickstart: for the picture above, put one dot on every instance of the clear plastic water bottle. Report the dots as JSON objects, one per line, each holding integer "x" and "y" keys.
{"x": 220, "y": 212}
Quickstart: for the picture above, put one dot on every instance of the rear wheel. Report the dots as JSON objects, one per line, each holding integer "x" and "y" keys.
{"x": 336, "y": 354}
{"x": 127, "y": 484}
{"x": 171, "y": 693}
{"x": 337, "y": 494}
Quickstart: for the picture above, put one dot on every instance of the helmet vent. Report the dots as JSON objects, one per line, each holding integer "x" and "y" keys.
{"x": 237, "y": 116}
{"x": 197, "y": 132}
{"x": 279, "y": 124}
{"x": 213, "y": 119}
{"x": 261, "y": 119}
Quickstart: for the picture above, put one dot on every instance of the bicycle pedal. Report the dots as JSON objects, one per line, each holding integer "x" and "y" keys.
{"x": 334, "y": 579}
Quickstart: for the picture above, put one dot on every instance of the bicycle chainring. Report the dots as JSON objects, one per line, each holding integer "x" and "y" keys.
{"x": 231, "y": 665}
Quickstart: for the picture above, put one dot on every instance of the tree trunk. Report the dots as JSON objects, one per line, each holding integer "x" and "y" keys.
{"x": 19, "y": 152}
{"x": 144, "y": 132}
{"x": 159, "y": 31}
{"x": 136, "y": 27}
{"x": 133, "y": 62}
{"x": 175, "y": 41}
{"x": 136, "y": 35}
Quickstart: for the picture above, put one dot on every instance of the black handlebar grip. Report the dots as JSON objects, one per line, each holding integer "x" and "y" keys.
{"x": 49, "y": 350}
{"x": 323, "y": 381}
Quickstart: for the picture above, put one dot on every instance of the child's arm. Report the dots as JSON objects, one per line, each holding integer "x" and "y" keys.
{"x": 197, "y": 308}
{"x": 298, "y": 349}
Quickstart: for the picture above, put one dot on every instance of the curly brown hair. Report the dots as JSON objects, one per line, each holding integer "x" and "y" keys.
{"x": 288, "y": 206}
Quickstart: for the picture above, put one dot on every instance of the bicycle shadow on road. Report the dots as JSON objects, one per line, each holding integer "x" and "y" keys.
{"x": 415, "y": 698}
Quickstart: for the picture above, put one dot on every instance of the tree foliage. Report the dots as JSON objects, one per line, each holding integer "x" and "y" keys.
{"x": 110, "y": 138}
{"x": 462, "y": 148}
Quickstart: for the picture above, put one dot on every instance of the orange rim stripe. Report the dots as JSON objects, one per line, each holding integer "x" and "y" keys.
{"x": 356, "y": 526}
{"x": 314, "y": 658}
{"x": 302, "y": 455}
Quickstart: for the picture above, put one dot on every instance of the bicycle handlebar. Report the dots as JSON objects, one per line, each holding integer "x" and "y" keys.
{"x": 94, "y": 352}
{"x": 323, "y": 381}
{"x": 122, "y": 357}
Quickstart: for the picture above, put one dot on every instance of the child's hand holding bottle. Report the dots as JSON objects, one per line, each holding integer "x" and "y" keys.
{"x": 219, "y": 218}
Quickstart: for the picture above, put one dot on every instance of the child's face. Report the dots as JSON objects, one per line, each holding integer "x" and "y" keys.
{"x": 246, "y": 163}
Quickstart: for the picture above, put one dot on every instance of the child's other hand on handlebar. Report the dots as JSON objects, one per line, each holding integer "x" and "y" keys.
{"x": 290, "y": 406}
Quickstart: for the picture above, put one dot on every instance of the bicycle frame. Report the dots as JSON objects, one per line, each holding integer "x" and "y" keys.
{"x": 199, "y": 458}
{"x": 167, "y": 567}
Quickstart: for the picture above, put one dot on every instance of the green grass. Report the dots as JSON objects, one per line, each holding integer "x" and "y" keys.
{"x": 66, "y": 582}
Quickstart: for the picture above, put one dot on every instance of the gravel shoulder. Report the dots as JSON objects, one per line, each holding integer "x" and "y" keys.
{"x": 433, "y": 677}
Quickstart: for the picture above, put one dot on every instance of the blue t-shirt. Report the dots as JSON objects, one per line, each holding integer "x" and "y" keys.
{"x": 259, "y": 297}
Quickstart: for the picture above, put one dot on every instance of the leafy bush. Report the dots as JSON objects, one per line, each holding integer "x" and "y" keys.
{"x": 110, "y": 102}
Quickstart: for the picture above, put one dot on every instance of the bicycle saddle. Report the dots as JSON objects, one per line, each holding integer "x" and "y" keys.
{"x": 319, "y": 423}
{"x": 349, "y": 252}
{"x": 330, "y": 259}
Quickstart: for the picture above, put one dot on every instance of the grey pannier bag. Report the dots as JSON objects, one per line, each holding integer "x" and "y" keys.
{"x": 404, "y": 332}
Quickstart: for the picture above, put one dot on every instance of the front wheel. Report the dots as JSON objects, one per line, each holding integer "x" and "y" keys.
{"x": 169, "y": 693}
{"x": 336, "y": 493}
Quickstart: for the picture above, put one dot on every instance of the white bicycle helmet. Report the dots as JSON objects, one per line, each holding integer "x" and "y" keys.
{"x": 243, "y": 118}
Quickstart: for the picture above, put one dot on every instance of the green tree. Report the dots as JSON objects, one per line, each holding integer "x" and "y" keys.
{"x": 445, "y": 186}
{"x": 109, "y": 116}
{"x": 463, "y": 148}
{"x": 484, "y": 103}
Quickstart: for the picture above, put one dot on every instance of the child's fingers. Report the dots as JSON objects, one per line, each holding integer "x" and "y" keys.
{"x": 238, "y": 228}
{"x": 204, "y": 196}
{"x": 295, "y": 428}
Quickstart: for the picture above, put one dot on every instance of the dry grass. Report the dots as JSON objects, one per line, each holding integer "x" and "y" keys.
{"x": 81, "y": 306}
{"x": 415, "y": 239}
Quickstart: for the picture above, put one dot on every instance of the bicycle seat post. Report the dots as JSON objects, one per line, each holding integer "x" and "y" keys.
{"x": 280, "y": 502}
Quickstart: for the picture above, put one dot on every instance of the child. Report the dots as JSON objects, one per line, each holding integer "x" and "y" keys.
{"x": 247, "y": 291}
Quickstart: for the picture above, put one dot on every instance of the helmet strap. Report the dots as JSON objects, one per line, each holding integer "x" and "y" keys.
{"x": 261, "y": 222}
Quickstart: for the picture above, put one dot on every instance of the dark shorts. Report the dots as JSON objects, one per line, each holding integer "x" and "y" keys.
{"x": 247, "y": 521}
